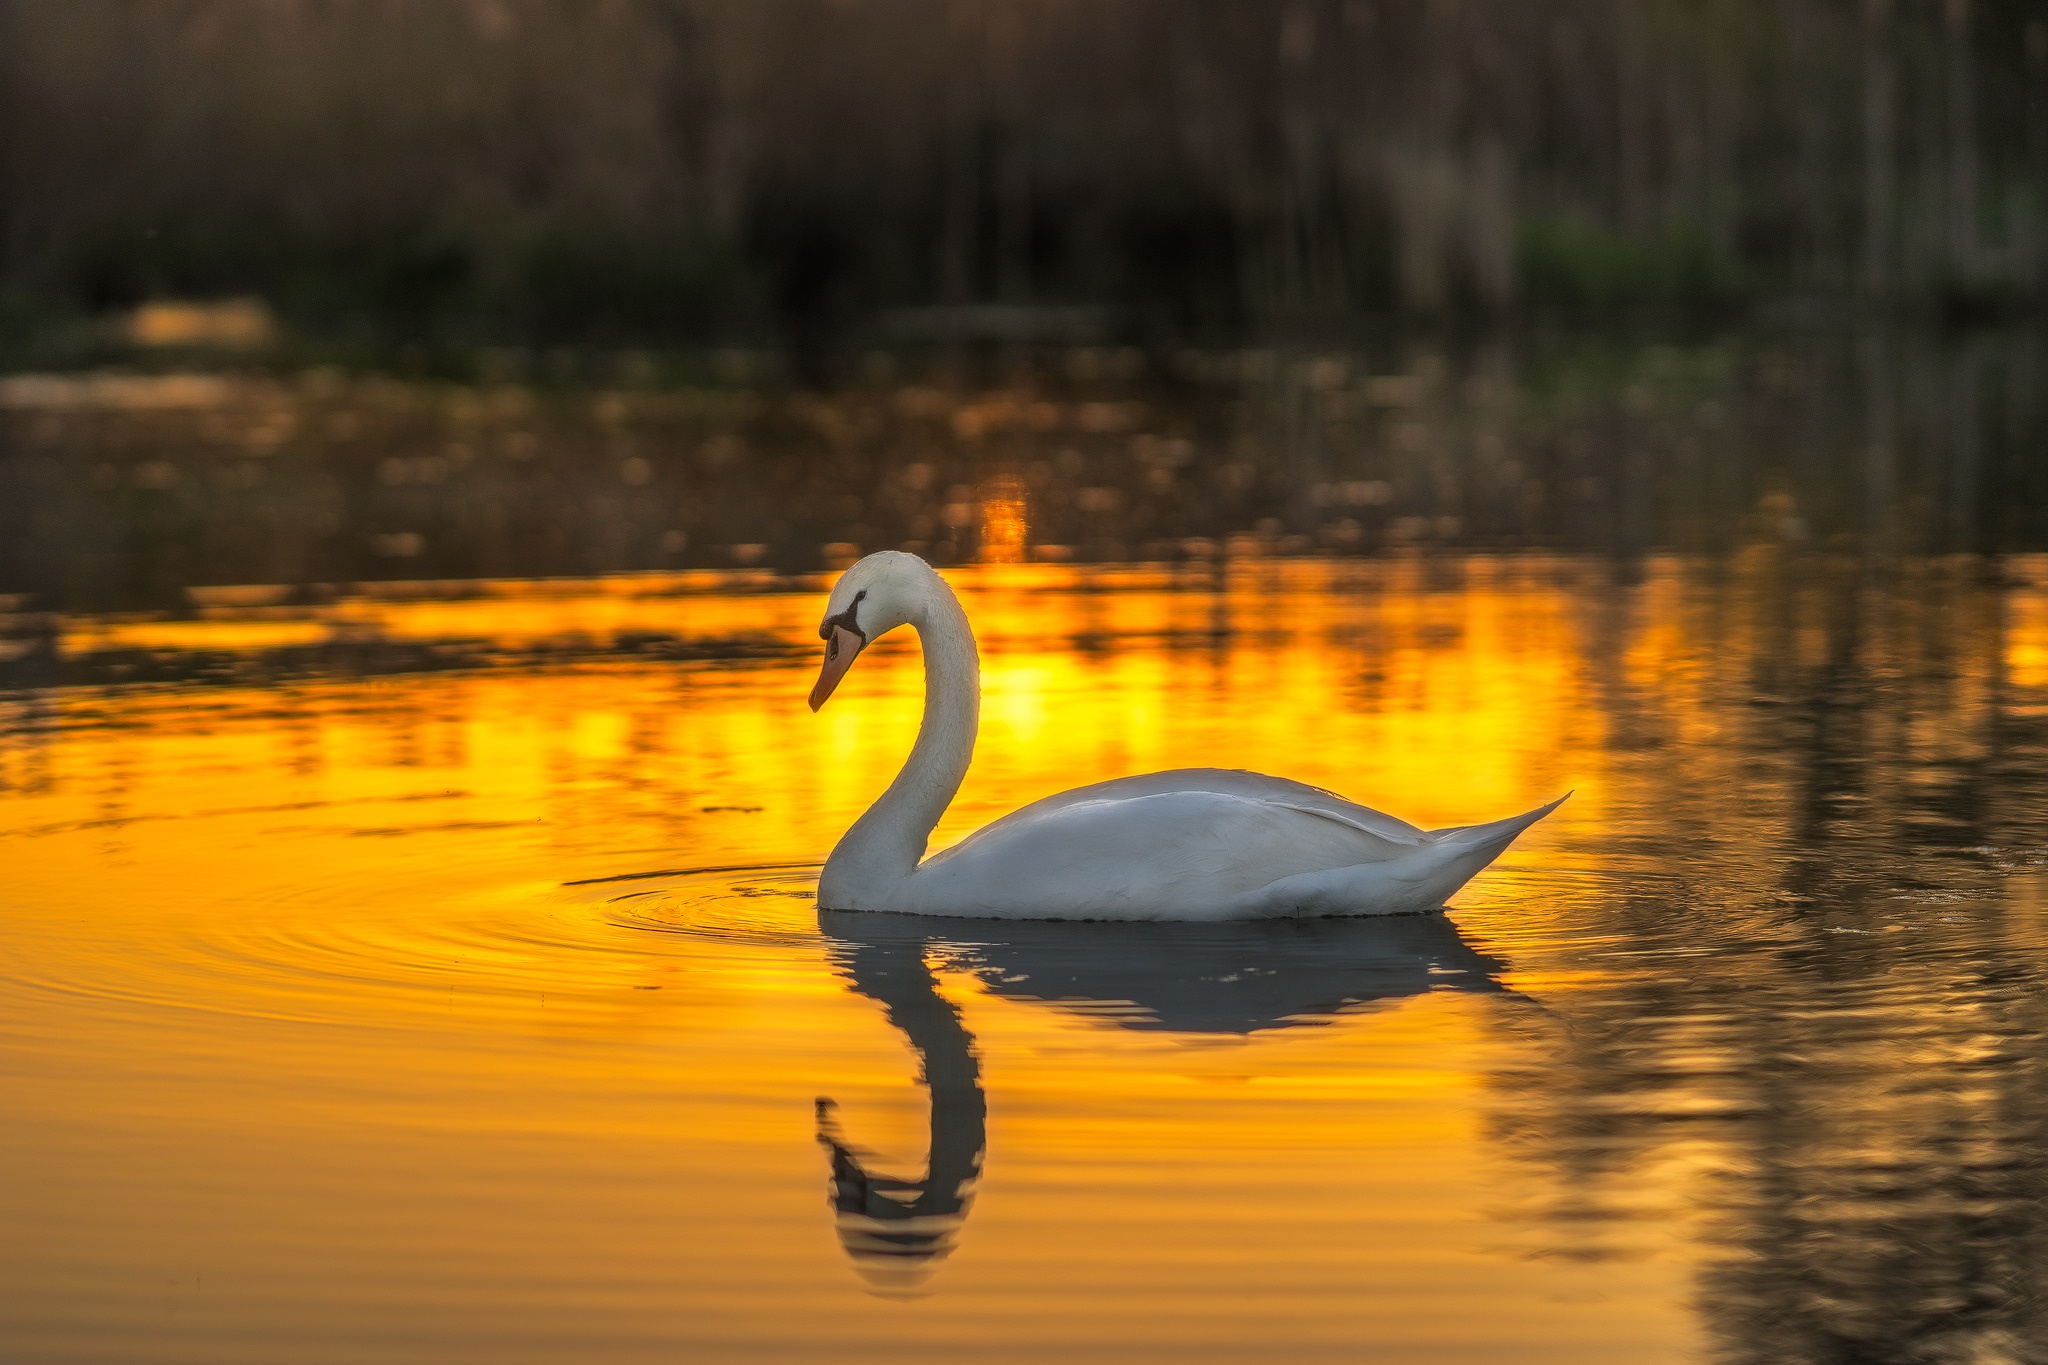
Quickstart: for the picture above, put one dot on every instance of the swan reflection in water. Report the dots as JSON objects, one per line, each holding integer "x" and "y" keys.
{"x": 1232, "y": 978}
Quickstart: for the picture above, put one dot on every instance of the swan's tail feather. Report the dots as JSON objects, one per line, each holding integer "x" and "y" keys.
{"x": 1413, "y": 884}
{"x": 1497, "y": 834}
{"x": 1466, "y": 849}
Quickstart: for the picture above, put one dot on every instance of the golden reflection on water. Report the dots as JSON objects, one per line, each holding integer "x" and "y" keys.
{"x": 341, "y": 1019}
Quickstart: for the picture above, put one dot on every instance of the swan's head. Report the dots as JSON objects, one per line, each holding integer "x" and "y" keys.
{"x": 870, "y": 599}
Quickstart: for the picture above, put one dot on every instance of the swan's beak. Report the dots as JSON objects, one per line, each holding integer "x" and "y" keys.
{"x": 840, "y": 648}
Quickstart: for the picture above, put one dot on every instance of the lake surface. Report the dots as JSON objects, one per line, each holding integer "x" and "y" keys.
{"x": 430, "y": 973}
{"x": 124, "y": 491}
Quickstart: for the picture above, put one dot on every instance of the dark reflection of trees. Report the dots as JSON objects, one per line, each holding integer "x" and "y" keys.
{"x": 114, "y": 497}
{"x": 1184, "y": 978}
{"x": 1845, "y": 1002}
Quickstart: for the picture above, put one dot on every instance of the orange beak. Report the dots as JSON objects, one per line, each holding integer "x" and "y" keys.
{"x": 841, "y": 647}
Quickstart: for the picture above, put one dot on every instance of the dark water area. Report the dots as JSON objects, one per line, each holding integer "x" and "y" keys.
{"x": 138, "y": 491}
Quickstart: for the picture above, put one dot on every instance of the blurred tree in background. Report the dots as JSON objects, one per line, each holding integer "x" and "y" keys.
{"x": 684, "y": 170}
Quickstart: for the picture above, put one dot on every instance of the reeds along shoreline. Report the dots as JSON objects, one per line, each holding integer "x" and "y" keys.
{"x": 677, "y": 168}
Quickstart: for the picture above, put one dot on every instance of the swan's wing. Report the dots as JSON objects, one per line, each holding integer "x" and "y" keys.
{"x": 1239, "y": 783}
{"x": 1177, "y": 853}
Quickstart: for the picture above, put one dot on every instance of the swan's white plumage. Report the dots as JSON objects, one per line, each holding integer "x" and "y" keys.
{"x": 1189, "y": 844}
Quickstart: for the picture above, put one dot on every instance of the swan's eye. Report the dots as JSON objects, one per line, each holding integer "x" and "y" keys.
{"x": 832, "y": 646}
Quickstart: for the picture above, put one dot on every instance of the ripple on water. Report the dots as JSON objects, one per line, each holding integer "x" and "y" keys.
{"x": 765, "y": 903}
{"x": 323, "y": 952}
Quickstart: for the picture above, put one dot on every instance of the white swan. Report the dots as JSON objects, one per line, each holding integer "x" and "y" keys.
{"x": 1191, "y": 844}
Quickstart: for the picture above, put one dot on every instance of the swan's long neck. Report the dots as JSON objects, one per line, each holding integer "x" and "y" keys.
{"x": 886, "y": 844}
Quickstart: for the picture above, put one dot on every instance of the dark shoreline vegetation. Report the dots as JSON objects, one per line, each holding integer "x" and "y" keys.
{"x": 413, "y": 183}
{"x": 328, "y": 293}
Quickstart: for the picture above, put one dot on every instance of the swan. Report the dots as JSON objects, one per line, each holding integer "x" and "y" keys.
{"x": 1188, "y": 844}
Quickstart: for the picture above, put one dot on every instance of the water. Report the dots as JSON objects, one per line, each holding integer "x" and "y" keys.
{"x": 435, "y": 977}
{"x": 123, "y": 492}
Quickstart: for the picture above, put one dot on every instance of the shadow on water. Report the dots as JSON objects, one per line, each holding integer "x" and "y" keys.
{"x": 1181, "y": 978}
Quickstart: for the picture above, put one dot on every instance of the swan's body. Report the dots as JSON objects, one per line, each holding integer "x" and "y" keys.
{"x": 1190, "y": 844}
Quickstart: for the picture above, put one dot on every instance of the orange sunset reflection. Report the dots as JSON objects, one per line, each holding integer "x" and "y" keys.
{"x": 496, "y": 964}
